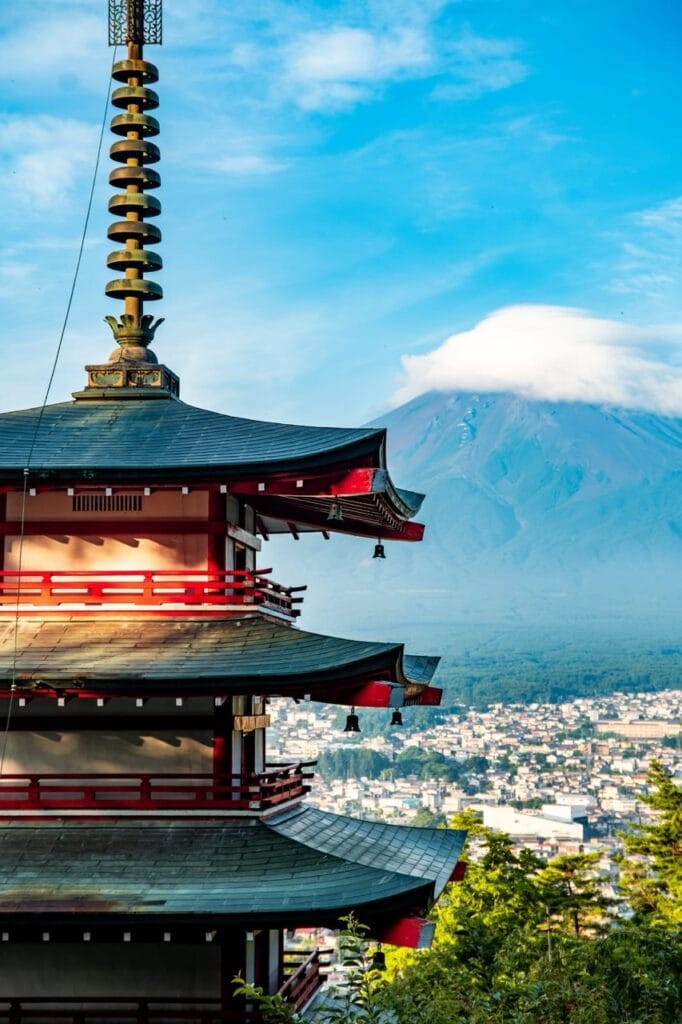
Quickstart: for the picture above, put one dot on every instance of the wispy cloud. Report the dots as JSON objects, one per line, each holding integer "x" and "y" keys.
{"x": 556, "y": 353}
{"x": 43, "y": 158}
{"x": 480, "y": 64}
{"x": 648, "y": 268}
{"x": 65, "y": 44}
{"x": 341, "y": 66}
{"x": 15, "y": 277}
{"x": 245, "y": 165}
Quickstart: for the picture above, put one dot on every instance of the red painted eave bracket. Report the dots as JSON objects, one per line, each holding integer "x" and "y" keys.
{"x": 378, "y": 695}
{"x": 411, "y": 932}
{"x": 410, "y": 531}
{"x": 430, "y": 697}
{"x": 459, "y": 871}
{"x": 353, "y": 482}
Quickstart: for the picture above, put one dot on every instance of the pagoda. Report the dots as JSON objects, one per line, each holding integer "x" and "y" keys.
{"x": 149, "y": 852}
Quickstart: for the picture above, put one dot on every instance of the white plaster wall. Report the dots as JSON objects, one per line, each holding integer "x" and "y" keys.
{"x": 116, "y": 970}
{"x": 31, "y": 753}
{"x": 65, "y": 553}
{"x": 70, "y": 554}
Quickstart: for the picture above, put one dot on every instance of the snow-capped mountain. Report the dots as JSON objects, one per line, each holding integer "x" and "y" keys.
{"x": 536, "y": 512}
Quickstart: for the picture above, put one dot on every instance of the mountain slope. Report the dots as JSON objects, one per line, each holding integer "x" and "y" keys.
{"x": 537, "y": 512}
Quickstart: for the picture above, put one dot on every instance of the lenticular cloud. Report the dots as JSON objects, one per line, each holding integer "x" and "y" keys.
{"x": 559, "y": 354}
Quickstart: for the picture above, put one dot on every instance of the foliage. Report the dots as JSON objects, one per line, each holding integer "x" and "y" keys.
{"x": 486, "y": 664}
{"x": 525, "y": 941}
{"x": 630, "y": 976}
{"x": 652, "y": 874}
{"x": 360, "y": 1000}
{"x": 274, "y": 1009}
{"x": 361, "y": 762}
{"x": 351, "y": 763}
{"x": 521, "y": 941}
{"x": 426, "y": 818}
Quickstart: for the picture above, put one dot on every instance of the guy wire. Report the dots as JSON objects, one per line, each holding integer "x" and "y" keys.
{"x": 41, "y": 414}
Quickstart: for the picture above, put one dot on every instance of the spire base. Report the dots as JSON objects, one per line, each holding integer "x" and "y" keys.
{"x": 129, "y": 380}
{"x": 133, "y": 371}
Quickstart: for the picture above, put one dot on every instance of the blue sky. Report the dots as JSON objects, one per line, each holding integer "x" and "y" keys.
{"x": 362, "y": 200}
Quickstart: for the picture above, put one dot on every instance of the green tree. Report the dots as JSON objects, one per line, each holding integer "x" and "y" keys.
{"x": 521, "y": 941}
{"x": 652, "y": 873}
{"x": 571, "y": 892}
{"x": 426, "y": 818}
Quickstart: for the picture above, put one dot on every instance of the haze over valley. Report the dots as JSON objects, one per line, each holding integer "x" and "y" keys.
{"x": 553, "y": 533}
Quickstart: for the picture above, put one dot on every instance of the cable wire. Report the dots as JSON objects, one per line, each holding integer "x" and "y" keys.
{"x": 34, "y": 439}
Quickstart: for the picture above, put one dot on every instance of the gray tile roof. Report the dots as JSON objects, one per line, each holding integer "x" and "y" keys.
{"x": 139, "y": 655}
{"x": 121, "y": 437}
{"x": 218, "y": 870}
{"x": 420, "y": 852}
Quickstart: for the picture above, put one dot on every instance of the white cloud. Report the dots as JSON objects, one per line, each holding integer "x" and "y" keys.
{"x": 68, "y": 44}
{"x": 341, "y": 66}
{"x": 666, "y": 217}
{"x": 338, "y": 66}
{"x": 42, "y": 159}
{"x": 559, "y": 354}
{"x": 245, "y": 165}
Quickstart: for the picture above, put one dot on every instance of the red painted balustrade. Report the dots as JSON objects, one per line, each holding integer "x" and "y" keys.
{"x": 183, "y": 589}
{"x": 153, "y": 792}
{"x": 303, "y": 975}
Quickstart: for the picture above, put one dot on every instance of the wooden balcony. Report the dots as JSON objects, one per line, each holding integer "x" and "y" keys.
{"x": 72, "y": 1010}
{"x": 303, "y": 977}
{"x": 169, "y": 592}
{"x": 28, "y": 795}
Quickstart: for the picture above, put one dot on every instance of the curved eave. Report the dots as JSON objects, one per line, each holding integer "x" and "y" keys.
{"x": 220, "y": 871}
{"x": 192, "y": 657}
{"x": 424, "y": 853}
{"x": 365, "y": 501}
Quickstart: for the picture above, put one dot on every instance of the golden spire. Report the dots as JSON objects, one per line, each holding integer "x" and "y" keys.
{"x": 133, "y": 371}
{"x": 134, "y": 23}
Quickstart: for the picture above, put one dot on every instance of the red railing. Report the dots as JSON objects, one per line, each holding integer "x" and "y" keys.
{"x": 152, "y": 792}
{"x": 71, "y": 1010}
{"x": 187, "y": 588}
{"x": 303, "y": 976}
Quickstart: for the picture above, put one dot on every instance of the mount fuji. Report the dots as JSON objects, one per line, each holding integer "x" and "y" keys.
{"x": 553, "y": 519}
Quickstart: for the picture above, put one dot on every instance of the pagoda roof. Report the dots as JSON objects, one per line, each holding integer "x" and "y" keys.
{"x": 308, "y": 867}
{"x": 120, "y": 655}
{"x": 159, "y": 436}
{"x": 161, "y": 440}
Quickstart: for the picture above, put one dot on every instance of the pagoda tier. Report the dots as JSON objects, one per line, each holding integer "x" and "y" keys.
{"x": 300, "y": 868}
{"x": 199, "y": 657}
{"x": 295, "y": 477}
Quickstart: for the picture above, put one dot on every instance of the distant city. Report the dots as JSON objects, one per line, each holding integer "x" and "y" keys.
{"x": 556, "y": 777}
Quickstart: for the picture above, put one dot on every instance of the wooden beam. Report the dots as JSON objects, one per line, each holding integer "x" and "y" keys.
{"x": 111, "y": 527}
{"x": 242, "y": 536}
